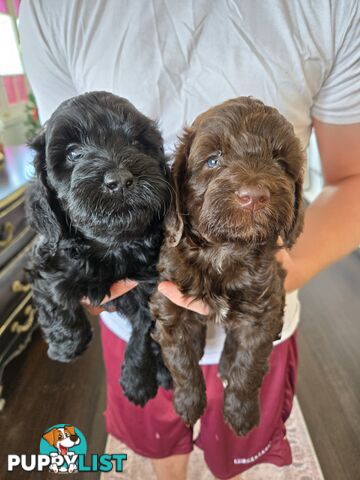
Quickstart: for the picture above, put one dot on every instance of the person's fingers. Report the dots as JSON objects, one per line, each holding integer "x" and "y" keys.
{"x": 280, "y": 241}
{"x": 293, "y": 279}
{"x": 172, "y": 292}
{"x": 282, "y": 256}
{"x": 117, "y": 289}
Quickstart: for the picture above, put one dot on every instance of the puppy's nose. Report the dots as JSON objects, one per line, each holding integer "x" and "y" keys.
{"x": 253, "y": 197}
{"x": 116, "y": 180}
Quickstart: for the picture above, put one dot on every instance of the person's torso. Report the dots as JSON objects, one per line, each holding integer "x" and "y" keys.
{"x": 174, "y": 60}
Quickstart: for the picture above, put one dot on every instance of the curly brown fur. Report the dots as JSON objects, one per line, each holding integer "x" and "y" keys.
{"x": 221, "y": 253}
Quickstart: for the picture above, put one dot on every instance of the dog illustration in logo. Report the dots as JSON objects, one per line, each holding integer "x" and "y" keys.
{"x": 62, "y": 439}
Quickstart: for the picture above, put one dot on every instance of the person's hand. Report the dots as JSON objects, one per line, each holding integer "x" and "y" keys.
{"x": 293, "y": 279}
{"x": 172, "y": 292}
{"x": 284, "y": 258}
{"x": 117, "y": 289}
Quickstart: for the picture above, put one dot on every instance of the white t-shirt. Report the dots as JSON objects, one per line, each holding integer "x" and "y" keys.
{"x": 175, "y": 59}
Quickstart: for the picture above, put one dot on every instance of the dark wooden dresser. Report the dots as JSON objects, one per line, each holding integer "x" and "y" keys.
{"x": 17, "y": 315}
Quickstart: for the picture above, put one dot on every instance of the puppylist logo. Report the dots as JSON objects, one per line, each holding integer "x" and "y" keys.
{"x": 63, "y": 449}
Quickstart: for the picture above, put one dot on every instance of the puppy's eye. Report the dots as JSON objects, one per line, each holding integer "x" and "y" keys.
{"x": 213, "y": 161}
{"x": 72, "y": 154}
{"x": 135, "y": 143}
{"x": 283, "y": 165}
{"x": 278, "y": 156}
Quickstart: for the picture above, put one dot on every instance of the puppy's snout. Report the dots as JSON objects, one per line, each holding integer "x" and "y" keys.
{"x": 120, "y": 179}
{"x": 74, "y": 438}
{"x": 253, "y": 197}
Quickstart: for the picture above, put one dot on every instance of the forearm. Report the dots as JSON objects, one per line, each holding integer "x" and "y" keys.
{"x": 331, "y": 230}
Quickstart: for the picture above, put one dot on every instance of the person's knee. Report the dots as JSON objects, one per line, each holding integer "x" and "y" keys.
{"x": 174, "y": 467}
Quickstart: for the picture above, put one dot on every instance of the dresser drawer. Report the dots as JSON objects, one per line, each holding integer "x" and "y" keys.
{"x": 16, "y": 327}
{"x": 14, "y": 232}
{"x": 17, "y": 315}
{"x": 14, "y": 285}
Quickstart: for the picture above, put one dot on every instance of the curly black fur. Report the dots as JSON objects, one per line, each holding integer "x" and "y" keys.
{"x": 97, "y": 203}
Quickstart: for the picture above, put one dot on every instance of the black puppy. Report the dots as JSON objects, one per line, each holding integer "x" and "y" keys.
{"x": 98, "y": 202}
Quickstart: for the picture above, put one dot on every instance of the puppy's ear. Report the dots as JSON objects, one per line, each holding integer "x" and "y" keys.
{"x": 41, "y": 200}
{"x": 290, "y": 234}
{"x": 50, "y": 437}
{"x": 174, "y": 223}
{"x": 70, "y": 429}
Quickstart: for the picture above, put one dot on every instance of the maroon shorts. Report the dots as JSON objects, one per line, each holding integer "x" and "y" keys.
{"x": 156, "y": 431}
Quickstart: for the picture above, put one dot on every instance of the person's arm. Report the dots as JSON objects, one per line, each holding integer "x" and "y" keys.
{"x": 332, "y": 221}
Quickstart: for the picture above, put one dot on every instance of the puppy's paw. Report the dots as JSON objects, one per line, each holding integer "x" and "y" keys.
{"x": 137, "y": 387}
{"x": 55, "y": 352}
{"x": 190, "y": 404}
{"x": 241, "y": 416}
{"x": 69, "y": 350}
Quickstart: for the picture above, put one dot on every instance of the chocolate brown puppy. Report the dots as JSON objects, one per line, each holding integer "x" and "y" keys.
{"x": 238, "y": 176}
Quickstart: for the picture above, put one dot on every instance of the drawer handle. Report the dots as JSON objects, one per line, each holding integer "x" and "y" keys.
{"x": 17, "y": 327}
{"x": 8, "y": 233}
{"x": 18, "y": 287}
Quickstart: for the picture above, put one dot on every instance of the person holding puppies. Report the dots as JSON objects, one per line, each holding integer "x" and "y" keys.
{"x": 173, "y": 61}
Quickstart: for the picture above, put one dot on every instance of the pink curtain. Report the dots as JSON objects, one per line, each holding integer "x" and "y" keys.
{"x": 3, "y": 7}
{"x": 15, "y": 86}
